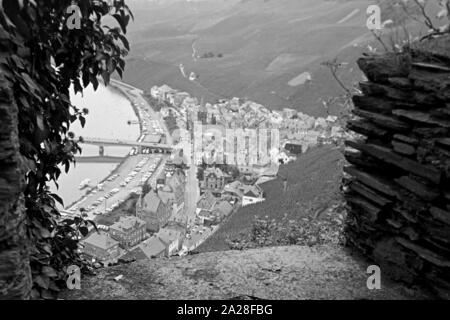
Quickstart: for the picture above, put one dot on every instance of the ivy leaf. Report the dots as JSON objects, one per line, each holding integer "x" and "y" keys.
{"x": 93, "y": 224}
{"x": 125, "y": 42}
{"x": 31, "y": 84}
{"x": 12, "y": 10}
{"x": 49, "y": 272}
{"x": 84, "y": 231}
{"x": 66, "y": 166}
{"x": 42, "y": 281}
{"x": 45, "y": 233}
{"x": 106, "y": 77}
{"x": 94, "y": 81}
{"x": 40, "y": 122}
{"x": 82, "y": 121}
{"x": 121, "y": 20}
{"x": 57, "y": 198}
{"x": 119, "y": 71}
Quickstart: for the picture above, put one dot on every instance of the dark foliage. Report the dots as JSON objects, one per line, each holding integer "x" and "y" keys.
{"x": 45, "y": 59}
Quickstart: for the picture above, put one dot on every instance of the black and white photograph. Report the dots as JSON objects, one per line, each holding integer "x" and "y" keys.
{"x": 240, "y": 152}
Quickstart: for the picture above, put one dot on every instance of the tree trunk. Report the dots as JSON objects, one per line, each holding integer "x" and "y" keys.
{"x": 15, "y": 273}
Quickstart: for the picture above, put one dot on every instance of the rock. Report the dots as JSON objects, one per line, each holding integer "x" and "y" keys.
{"x": 387, "y": 155}
{"x": 425, "y": 253}
{"x": 419, "y": 189}
{"x": 373, "y": 104}
{"x": 403, "y": 148}
{"x": 381, "y": 68}
{"x": 416, "y": 97}
{"x": 367, "y": 128}
{"x": 371, "y": 181}
{"x": 422, "y": 117}
{"x": 370, "y": 211}
{"x": 445, "y": 143}
{"x": 429, "y": 80}
{"x": 400, "y": 82}
{"x": 440, "y": 215}
{"x": 406, "y": 139}
{"x": 369, "y": 194}
{"x": 388, "y": 122}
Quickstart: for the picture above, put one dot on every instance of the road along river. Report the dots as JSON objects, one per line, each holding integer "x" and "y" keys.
{"x": 109, "y": 112}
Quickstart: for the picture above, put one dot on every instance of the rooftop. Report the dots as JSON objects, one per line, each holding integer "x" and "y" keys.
{"x": 206, "y": 201}
{"x": 100, "y": 240}
{"x": 152, "y": 247}
{"x": 167, "y": 235}
{"x": 252, "y": 191}
{"x": 127, "y": 223}
{"x": 166, "y": 194}
{"x": 224, "y": 207}
{"x": 153, "y": 138}
{"x": 166, "y": 88}
{"x": 216, "y": 171}
{"x": 151, "y": 201}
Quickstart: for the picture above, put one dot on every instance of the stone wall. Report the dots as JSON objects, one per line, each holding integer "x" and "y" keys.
{"x": 397, "y": 183}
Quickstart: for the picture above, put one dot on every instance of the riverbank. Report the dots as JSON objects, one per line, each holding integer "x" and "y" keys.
{"x": 117, "y": 89}
{"x": 120, "y": 87}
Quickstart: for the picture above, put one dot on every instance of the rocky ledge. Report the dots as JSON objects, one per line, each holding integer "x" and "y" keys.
{"x": 293, "y": 272}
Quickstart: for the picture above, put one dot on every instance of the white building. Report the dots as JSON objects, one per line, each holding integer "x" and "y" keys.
{"x": 252, "y": 195}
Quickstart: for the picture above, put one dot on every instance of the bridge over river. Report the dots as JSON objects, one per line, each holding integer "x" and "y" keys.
{"x": 102, "y": 142}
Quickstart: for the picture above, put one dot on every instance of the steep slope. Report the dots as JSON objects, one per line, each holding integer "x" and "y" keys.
{"x": 313, "y": 186}
{"x": 265, "y": 44}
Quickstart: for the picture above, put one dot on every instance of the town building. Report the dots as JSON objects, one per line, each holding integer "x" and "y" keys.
{"x": 214, "y": 180}
{"x": 189, "y": 103}
{"x": 179, "y": 98}
{"x": 294, "y": 148}
{"x": 151, "y": 248}
{"x": 178, "y": 184}
{"x": 153, "y": 138}
{"x": 128, "y": 231}
{"x": 233, "y": 189}
{"x": 161, "y": 180}
{"x": 221, "y": 210}
{"x": 206, "y": 201}
{"x": 153, "y": 211}
{"x": 167, "y": 196}
{"x": 288, "y": 113}
{"x": 252, "y": 195}
{"x": 100, "y": 246}
{"x": 169, "y": 166}
{"x": 173, "y": 239}
{"x": 161, "y": 92}
{"x": 206, "y": 218}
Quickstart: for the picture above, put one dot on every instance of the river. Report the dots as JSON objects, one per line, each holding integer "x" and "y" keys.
{"x": 109, "y": 112}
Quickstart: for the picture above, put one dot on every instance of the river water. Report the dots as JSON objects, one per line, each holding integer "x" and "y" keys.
{"x": 109, "y": 112}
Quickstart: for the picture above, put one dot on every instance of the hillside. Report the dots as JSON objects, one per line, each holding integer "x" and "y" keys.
{"x": 265, "y": 45}
{"x": 313, "y": 187}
